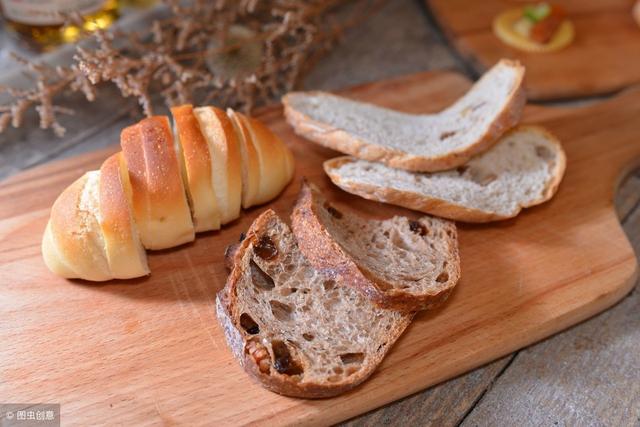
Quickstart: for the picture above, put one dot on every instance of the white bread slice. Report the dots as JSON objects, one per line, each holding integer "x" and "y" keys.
{"x": 196, "y": 166}
{"x": 262, "y": 149}
{"x": 159, "y": 202}
{"x": 226, "y": 160}
{"x": 295, "y": 330}
{"x": 250, "y": 160}
{"x": 428, "y": 142}
{"x": 125, "y": 254}
{"x": 73, "y": 245}
{"x": 397, "y": 263}
{"x": 524, "y": 169}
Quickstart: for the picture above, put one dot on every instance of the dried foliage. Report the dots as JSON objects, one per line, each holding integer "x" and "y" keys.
{"x": 238, "y": 53}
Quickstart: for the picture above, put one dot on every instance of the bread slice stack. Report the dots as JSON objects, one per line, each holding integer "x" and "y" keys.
{"x": 166, "y": 184}
{"x": 312, "y": 313}
{"x": 471, "y": 162}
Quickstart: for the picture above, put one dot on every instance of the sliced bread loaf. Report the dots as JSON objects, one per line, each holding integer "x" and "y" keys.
{"x": 524, "y": 169}
{"x": 428, "y": 142}
{"x": 398, "y": 263}
{"x": 295, "y": 330}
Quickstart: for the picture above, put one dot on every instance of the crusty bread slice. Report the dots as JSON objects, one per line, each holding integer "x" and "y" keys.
{"x": 398, "y": 263}
{"x": 429, "y": 142}
{"x": 295, "y": 330}
{"x": 524, "y": 169}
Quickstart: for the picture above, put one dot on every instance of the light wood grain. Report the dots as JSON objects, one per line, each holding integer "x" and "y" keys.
{"x": 602, "y": 59}
{"x": 149, "y": 351}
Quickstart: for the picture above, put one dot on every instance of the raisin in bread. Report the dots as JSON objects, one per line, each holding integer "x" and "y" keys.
{"x": 295, "y": 330}
{"x": 398, "y": 263}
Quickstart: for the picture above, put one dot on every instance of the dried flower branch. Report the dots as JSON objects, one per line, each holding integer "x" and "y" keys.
{"x": 239, "y": 53}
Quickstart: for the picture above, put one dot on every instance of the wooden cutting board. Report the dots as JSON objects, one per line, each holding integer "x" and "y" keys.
{"x": 150, "y": 352}
{"x": 603, "y": 58}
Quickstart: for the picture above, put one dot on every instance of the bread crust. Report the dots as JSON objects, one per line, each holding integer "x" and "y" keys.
{"x": 197, "y": 173}
{"x": 340, "y": 140}
{"x": 123, "y": 247}
{"x": 442, "y": 208}
{"x": 275, "y": 159}
{"x": 250, "y": 161}
{"x": 326, "y": 254}
{"x": 73, "y": 248}
{"x": 279, "y": 383}
{"x": 160, "y": 205}
{"x": 227, "y": 163}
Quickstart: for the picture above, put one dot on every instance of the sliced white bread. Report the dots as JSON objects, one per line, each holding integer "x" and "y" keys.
{"x": 295, "y": 330}
{"x": 267, "y": 163}
{"x": 397, "y": 263}
{"x": 428, "y": 142}
{"x": 524, "y": 169}
{"x": 226, "y": 159}
{"x": 197, "y": 166}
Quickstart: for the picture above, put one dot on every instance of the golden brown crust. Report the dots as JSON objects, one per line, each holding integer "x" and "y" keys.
{"x": 250, "y": 160}
{"x": 340, "y": 140}
{"x": 197, "y": 163}
{"x": 226, "y": 160}
{"x": 124, "y": 250}
{"x": 320, "y": 248}
{"x": 438, "y": 207}
{"x": 275, "y": 159}
{"x": 159, "y": 203}
{"x": 76, "y": 242}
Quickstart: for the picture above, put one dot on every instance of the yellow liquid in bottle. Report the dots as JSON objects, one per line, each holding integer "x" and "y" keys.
{"x": 43, "y": 34}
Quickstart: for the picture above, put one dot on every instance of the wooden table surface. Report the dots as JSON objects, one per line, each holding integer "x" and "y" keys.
{"x": 587, "y": 375}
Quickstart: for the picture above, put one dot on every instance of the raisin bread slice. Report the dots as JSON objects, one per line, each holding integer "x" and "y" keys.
{"x": 427, "y": 142}
{"x": 295, "y": 330}
{"x": 398, "y": 263}
{"x": 524, "y": 169}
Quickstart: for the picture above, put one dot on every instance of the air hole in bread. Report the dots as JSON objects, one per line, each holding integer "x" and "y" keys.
{"x": 280, "y": 310}
{"x": 329, "y": 285}
{"x": 248, "y": 324}
{"x": 351, "y": 358}
{"x": 333, "y": 211}
{"x": 482, "y": 178}
{"x": 418, "y": 228}
{"x": 284, "y": 361}
{"x": 351, "y": 370}
{"x": 462, "y": 169}
{"x": 260, "y": 279}
{"x": 397, "y": 240}
{"x": 381, "y": 346}
{"x": 447, "y": 134}
{"x": 265, "y": 248}
{"x": 442, "y": 277}
{"x": 288, "y": 291}
{"x": 307, "y": 336}
{"x": 334, "y": 378}
{"x": 544, "y": 152}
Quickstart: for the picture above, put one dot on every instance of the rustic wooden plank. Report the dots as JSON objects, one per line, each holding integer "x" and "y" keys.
{"x": 443, "y": 405}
